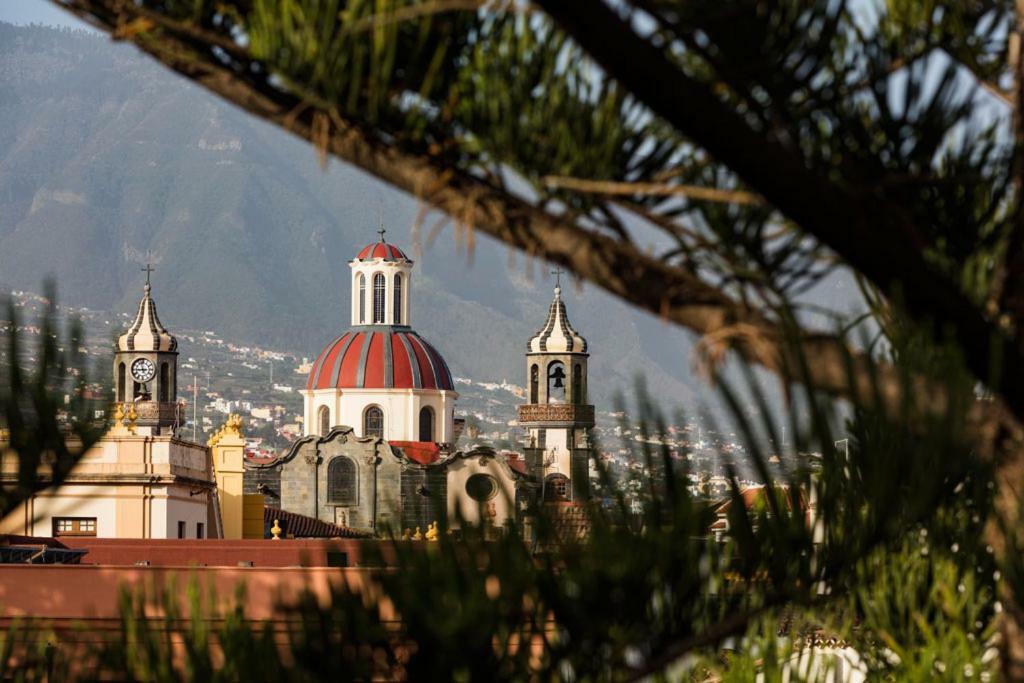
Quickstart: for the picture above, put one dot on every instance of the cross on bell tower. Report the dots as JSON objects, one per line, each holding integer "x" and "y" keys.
{"x": 147, "y": 270}
{"x": 557, "y": 272}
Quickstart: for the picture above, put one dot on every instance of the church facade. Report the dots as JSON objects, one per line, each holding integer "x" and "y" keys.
{"x": 378, "y": 451}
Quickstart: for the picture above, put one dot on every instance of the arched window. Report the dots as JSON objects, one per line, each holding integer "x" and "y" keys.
{"x": 120, "y": 382}
{"x": 556, "y": 382}
{"x": 577, "y": 384}
{"x": 398, "y": 298}
{"x": 361, "y": 282}
{"x": 323, "y": 417}
{"x": 378, "y": 298}
{"x": 341, "y": 481}
{"x": 426, "y": 424}
{"x": 556, "y": 487}
{"x": 165, "y": 382}
{"x": 534, "y": 372}
{"x": 373, "y": 422}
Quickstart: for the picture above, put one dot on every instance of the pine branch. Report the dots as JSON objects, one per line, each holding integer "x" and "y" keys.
{"x": 872, "y": 234}
{"x": 612, "y": 188}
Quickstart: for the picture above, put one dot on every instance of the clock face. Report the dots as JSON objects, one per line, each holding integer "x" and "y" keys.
{"x": 143, "y": 370}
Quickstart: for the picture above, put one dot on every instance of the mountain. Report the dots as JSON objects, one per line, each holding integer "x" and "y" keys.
{"x": 109, "y": 161}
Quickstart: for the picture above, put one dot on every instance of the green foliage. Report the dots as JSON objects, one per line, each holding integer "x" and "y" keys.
{"x": 48, "y": 417}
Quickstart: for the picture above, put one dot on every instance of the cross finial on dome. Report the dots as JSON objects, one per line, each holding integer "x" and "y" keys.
{"x": 147, "y": 270}
{"x": 381, "y": 232}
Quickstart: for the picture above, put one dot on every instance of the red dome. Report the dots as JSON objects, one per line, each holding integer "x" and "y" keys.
{"x": 384, "y": 359}
{"x": 388, "y": 252}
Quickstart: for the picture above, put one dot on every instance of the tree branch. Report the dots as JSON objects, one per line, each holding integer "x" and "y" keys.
{"x": 619, "y": 268}
{"x": 875, "y": 236}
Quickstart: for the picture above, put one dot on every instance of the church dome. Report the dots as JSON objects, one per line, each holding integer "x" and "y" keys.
{"x": 146, "y": 333}
{"x": 387, "y": 358}
{"x": 381, "y": 250}
{"x": 557, "y": 335}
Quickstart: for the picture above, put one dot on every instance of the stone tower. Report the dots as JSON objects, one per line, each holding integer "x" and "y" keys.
{"x": 146, "y": 370}
{"x": 557, "y": 416}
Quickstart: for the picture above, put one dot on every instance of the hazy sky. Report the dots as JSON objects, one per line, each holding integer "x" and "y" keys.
{"x": 37, "y": 12}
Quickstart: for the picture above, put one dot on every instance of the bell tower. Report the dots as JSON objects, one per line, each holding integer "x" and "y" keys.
{"x": 146, "y": 369}
{"x": 557, "y": 416}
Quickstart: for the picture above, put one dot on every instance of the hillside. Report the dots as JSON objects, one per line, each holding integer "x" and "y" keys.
{"x": 108, "y": 161}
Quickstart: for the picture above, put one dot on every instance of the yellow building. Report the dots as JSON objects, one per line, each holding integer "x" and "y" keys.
{"x": 140, "y": 480}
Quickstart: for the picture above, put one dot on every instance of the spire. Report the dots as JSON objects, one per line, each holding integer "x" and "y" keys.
{"x": 146, "y": 333}
{"x": 557, "y": 335}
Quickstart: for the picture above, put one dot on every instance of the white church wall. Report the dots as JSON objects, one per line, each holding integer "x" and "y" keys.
{"x": 495, "y": 510}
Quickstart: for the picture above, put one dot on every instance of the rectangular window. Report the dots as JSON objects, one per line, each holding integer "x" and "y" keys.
{"x": 181, "y": 529}
{"x": 199, "y": 530}
{"x": 74, "y": 526}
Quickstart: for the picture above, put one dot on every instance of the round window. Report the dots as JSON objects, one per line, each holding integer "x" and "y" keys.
{"x": 481, "y": 487}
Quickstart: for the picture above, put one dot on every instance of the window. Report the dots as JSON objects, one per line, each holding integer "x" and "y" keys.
{"x": 373, "y": 422}
{"x": 556, "y": 382}
{"x": 426, "y": 424}
{"x": 361, "y": 281}
{"x": 577, "y": 384}
{"x": 378, "y": 298}
{"x": 481, "y": 487}
{"x": 165, "y": 380}
{"x": 200, "y": 530}
{"x": 74, "y": 526}
{"x": 398, "y": 299}
{"x": 324, "y": 419}
{"x": 341, "y": 481}
{"x": 120, "y": 382}
{"x": 181, "y": 529}
{"x": 534, "y": 372}
{"x": 556, "y": 487}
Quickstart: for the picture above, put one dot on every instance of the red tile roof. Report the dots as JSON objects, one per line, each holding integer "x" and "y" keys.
{"x": 392, "y": 358}
{"x": 423, "y": 452}
{"x": 388, "y": 252}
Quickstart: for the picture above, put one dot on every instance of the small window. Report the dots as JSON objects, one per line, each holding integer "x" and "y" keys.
{"x": 398, "y": 298}
{"x": 200, "y": 530}
{"x": 341, "y": 481}
{"x": 324, "y": 418}
{"x": 378, "y": 298}
{"x": 426, "y": 424}
{"x": 534, "y": 372}
{"x": 577, "y": 384}
{"x": 481, "y": 487}
{"x": 181, "y": 529}
{"x": 74, "y": 526}
{"x": 120, "y": 382}
{"x": 373, "y": 422}
{"x": 556, "y": 487}
{"x": 361, "y": 280}
{"x": 165, "y": 381}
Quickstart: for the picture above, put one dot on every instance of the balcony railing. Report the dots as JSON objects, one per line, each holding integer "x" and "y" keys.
{"x": 556, "y": 412}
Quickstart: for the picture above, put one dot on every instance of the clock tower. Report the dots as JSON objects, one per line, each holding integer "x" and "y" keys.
{"x": 146, "y": 369}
